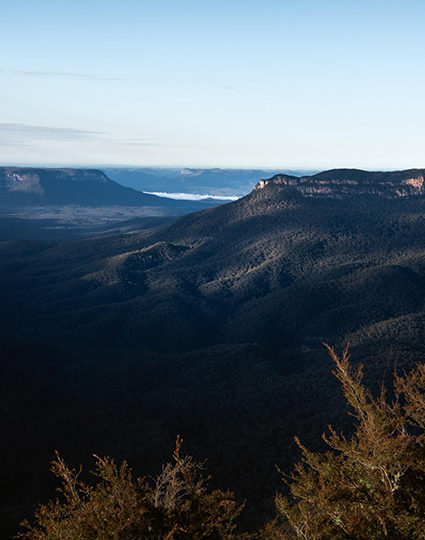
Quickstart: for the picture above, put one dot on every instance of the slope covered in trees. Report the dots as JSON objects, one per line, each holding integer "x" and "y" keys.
{"x": 274, "y": 267}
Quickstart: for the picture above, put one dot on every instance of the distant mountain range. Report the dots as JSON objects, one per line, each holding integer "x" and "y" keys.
{"x": 35, "y": 187}
{"x": 224, "y": 182}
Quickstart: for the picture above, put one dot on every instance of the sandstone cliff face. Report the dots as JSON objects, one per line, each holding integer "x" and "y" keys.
{"x": 32, "y": 179}
{"x": 338, "y": 183}
{"x": 27, "y": 182}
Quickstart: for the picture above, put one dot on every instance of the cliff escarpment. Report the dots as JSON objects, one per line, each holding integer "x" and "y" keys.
{"x": 338, "y": 183}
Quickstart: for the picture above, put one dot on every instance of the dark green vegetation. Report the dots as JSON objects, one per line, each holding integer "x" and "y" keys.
{"x": 211, "y": 328}
{"x": 54, "y": 229}
{"x": 367, "y": 486}
{"x": 273, "y": 268}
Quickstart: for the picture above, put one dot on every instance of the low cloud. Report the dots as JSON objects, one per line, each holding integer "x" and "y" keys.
{"x": 72, "y": 75}
{"x": 191, "y": 196}
{"x": 19, "y": 134}
{"x": 136, "y": 141}
{"x": 16, "y": 134}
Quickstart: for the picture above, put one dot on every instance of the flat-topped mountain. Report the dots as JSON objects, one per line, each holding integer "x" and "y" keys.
{"x": 338, "y": 183}
{"x": 27, "y": 187}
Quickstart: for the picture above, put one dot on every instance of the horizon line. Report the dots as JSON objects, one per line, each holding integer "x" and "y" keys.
{"x": 67, "y": 165}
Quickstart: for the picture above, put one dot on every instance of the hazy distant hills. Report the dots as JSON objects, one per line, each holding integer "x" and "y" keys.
{"x": 27, "y": 187}
{"x": 55, "y": 204}
{"x": 225, "y": 182}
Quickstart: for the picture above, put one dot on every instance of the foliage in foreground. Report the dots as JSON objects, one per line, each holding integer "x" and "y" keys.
{"x": 368, "y": 486}
{"x": 175, "y": 505}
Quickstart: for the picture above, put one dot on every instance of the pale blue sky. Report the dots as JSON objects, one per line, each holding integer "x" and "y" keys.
{"x": 301, "y": 83}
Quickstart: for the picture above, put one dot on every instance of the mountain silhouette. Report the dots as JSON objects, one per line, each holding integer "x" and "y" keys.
{"x": 28, "y": 187}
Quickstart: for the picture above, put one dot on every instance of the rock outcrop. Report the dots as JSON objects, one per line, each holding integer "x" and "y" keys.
{"x": 338, "y": 183}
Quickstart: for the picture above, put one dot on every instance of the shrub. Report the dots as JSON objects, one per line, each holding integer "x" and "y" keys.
{"x": 368, "y": 486}
{"x": 177, "y": 504}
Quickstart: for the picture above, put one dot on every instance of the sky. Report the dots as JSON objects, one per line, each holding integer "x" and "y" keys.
{"x": 310, "y": 84}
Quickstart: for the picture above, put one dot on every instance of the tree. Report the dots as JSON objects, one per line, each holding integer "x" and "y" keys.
{"x": 368, "y": 486}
